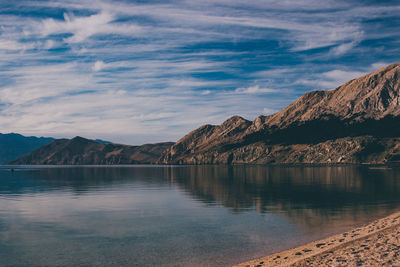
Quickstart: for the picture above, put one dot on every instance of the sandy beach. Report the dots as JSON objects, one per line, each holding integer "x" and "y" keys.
{"x": 374, "y": 244}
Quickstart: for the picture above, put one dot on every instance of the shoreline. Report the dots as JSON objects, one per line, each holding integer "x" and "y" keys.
{"x": 375, "y": 243}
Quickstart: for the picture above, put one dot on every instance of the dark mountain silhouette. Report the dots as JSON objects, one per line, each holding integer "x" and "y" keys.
{"x": 357, "y": 122}
{"x": 13, "y": 146}
{"x": 80, "y": 151}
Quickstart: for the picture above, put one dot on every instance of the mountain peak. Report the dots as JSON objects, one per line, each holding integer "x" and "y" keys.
{"x": 235, "y": 119}
{"x": 369, "y": 105}
{"x": 372, "y": 96}
{"x": 234, "y": 122}
{"x": 79, "y": 138}
{"x": 384, "y": 70}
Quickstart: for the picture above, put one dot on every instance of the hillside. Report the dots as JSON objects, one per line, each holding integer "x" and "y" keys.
{"x": 81, "y": 151}
{"x": 357, "y": 122}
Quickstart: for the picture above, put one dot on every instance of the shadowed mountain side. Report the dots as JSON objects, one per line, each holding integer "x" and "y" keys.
{"x": 81, "y": 151}
{"x": 340, "y": 125}
{"x": 13, "y": 146}
{"x": 362, "y": 149}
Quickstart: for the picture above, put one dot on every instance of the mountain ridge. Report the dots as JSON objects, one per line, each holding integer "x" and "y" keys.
{"x": 369, "y": 96}
{"x": 82, "y": 151}
{"x": 362, "y": 108}
{"x": 358, "y": 122}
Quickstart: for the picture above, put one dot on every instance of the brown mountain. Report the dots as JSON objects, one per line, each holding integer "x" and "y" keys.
{"x": 84, "y": 151}
{"x": 372, "y": 96}
{"x": 357, "y": 122}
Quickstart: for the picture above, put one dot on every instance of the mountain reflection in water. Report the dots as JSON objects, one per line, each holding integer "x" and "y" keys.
{"x": 170, "y": 215}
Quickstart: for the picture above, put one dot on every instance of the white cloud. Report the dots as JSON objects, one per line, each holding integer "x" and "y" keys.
{"x": 13, "y": 45}
{"x": 378, "y": 65}
{"x": 39, "y": 88}
{"x": 196, "y": 83}
{"x": 82, "y": 28}
{"x": 341, "y": 75}
{"x": 324, "y": 35}
{"x": 256, "y": 90}
{"x": 49, "y": 44}
{"x": 168, "y": 68}
{"x": 63, "y": 100}
{"x": 347, "y": 46}
{"x": 343, "y": 48}
{"x": 334, "y": 78}
{"x": 98, "y": 65}
{"x": 304, "y": 31}
{"x": 273, "y": 73}
{"x": 269, "y": 111}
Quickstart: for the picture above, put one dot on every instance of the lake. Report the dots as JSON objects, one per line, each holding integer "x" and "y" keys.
{"x": 181, "y": 215}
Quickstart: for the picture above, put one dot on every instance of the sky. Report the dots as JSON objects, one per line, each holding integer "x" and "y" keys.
{"x": 137, "y": 72}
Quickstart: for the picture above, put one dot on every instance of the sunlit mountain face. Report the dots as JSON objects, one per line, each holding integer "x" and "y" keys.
{"x": 135, "y": 72}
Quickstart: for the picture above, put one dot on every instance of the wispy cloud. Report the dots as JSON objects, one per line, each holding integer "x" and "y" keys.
{"x": 82, "y": 28}
{"x": 256, "y": 90}
{"x": 120, "y": 70}
{"x": 98, "y": 65}
{"x": 334, "y": 78}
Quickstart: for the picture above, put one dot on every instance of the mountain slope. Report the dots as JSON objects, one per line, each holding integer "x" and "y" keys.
{"x": 372, "y": 96}
{"x": 360, "y": 113}
{"x": 81, "y": 151}
{"x": 13, "y": 145}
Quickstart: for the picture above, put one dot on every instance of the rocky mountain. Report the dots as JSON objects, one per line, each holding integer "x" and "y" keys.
{"x": 357, "y": 122}
{"x": 81, "y": 151}
{"x": 14, "y": 145}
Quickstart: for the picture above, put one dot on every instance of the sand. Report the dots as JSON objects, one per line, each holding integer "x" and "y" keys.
{"x": 375, "y": 244}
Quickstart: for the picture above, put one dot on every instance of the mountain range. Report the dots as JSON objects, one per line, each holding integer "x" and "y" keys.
{"x": 358, "y": 122}
{"x": 82, "y": 151}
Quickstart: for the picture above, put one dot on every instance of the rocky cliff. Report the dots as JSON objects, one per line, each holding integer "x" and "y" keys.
{"x": 81, "y": 151}
{"x": 357, "y": 122}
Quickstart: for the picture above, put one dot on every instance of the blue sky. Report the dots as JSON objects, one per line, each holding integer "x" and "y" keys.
{"x": 148, "y": 71}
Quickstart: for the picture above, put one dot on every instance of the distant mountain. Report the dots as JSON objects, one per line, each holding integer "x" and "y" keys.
{"x": 81, "y": 151}
{"x": 357, "y": 122}
{"x": 13, "y": 146}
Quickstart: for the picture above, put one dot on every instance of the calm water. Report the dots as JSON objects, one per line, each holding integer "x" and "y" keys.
{"x": 181, "y": 216}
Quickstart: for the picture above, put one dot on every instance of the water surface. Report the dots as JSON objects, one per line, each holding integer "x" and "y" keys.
{"x": 181, "y": 215}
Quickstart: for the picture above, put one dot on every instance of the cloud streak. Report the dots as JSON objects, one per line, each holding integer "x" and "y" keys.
{"x": 135, "y": 72}
{"x": 82, "y": 28}
{"x": 256, "y": 90}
